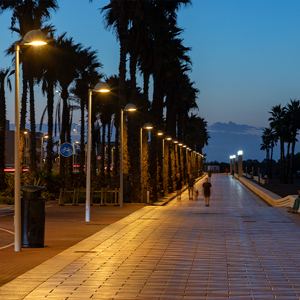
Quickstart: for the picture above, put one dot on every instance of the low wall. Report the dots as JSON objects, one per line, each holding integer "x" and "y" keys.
{"x": 271, "y": 198}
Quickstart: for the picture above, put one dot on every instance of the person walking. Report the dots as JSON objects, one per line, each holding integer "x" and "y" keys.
{"x": 191, "y": 182}
{"x": 206, "y": 191}
{"x": 178, "y": 185}
{"x": 227, "y": 171}
{"x": 209, "y": 174}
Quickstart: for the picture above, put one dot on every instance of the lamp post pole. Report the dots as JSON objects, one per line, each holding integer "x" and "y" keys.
{"x": 88, "y": 161}
{"x": 240, "y": 163}
{"x": 17, "y": 219}
{"x": 37, "y": 38}
{"x": 103, "y": 88}
{"x": 121, "y": 163}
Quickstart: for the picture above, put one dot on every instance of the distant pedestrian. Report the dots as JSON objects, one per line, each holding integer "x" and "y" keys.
{"x": 178, "y": 185}
{"x": 191, "y": 182}
{"x": 206, "y": 191}
{"x": 296, "y": 205}
{"x": 209, "y": 174}
{"x": 226, "y": 171}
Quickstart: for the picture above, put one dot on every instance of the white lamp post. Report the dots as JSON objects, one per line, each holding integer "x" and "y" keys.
{"x": 128, "y": 107}
{"x": 233, "y": 164}
{"x": 101, "y": 87}
{"x": 147, "y": 126}
{"x": 35, "y": 38}
{"x": 240, "y": 163}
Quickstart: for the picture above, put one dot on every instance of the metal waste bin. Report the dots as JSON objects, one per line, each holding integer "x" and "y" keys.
{"x": 32, "y": 217}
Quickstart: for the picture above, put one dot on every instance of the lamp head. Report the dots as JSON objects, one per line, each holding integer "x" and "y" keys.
{"x": 148, "y": 126}
{"x": 102, "y": 87}
{"x": 34, "y": 38}
{"x": 130, "y": 107}
{"x": 160, "y": 133}
{"x": 175, "y": 141}
{"x": 168, "y": 138}
{"x": 240, "y": 152}
{"x": 180, "y": 144}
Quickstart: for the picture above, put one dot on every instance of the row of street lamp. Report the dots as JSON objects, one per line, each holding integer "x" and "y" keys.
{"x": 240, "y": 164}
{"x": 37, "y": 38}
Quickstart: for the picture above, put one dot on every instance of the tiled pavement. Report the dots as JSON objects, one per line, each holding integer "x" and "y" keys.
{"x": 233, "y": 249}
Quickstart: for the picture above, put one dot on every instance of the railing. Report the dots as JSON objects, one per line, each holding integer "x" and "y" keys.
{"x": 107, "y": 196}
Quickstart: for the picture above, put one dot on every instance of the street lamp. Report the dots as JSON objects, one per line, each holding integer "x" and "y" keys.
{"x": 240, "y": 163}
{"x": 101, "y": 87}
{"x": 147, "y": 126}
{"x": 233, "y": 163}
{"x": 128, "y": 107}
{"x": 42, "y": 148}
{"x": 35, "y": 38}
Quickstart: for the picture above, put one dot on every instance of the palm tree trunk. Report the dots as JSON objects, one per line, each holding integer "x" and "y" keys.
{"x": 33, "y": 156}
{"x": 103, "y": 151}
{"x": 2, "y": 133}
{"x": 82, "y": 148}
{"x": 108, "y": 148}
{"x": 281, "y": 160}
{"x": 292, "y": 161}
{"x": 50, "y": 104}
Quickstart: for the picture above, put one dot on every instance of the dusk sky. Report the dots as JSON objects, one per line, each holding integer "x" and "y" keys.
{"x": 245, "y": 56}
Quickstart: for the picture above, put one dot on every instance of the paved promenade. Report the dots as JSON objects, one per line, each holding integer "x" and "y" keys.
{"x": 237, "y": 248}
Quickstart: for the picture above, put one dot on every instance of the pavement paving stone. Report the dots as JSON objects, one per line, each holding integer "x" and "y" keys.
{"x": 234, "y": 249}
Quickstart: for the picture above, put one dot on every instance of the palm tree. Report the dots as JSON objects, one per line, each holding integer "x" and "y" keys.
{"x": 67, "y": 71}
{"x": 293, "y": 111}
{"x": 278, "y": 125}
{"x": 4, "y": 76}
{"x": 88, "y": 76}
{"x": 28, "y": 15}
{"x": 266, "y": 146}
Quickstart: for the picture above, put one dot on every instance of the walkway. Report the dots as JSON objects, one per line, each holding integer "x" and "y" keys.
{"x": 236, "y": 249}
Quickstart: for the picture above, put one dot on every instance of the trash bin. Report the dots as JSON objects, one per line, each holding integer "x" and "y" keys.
{"x": 127, "y": 196}
{"x": 32, "y": 217}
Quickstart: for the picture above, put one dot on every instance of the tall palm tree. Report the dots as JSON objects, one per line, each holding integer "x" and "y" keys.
{"x": 88, "y": 76}
{"x": 4, "y": 77}
{"x": 278, "y": 125}
{"x": 293, "y": 112}
{"x": 67, "y": 71}
{"x": 266, "y": 146}
{"x": 28, "y": 15}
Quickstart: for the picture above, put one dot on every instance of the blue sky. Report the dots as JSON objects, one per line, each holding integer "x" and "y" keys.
{"x": 245, "y": 57}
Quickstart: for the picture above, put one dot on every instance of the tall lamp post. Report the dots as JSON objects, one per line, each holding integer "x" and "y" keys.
{"x": 34, "y": 38}
{"x": 101, "y": 87}
{"x": 233, "y": 164}
{"x": 147, "y": 126}
{"x": 128, "y": 107}
{"x": 240, "y": 163}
